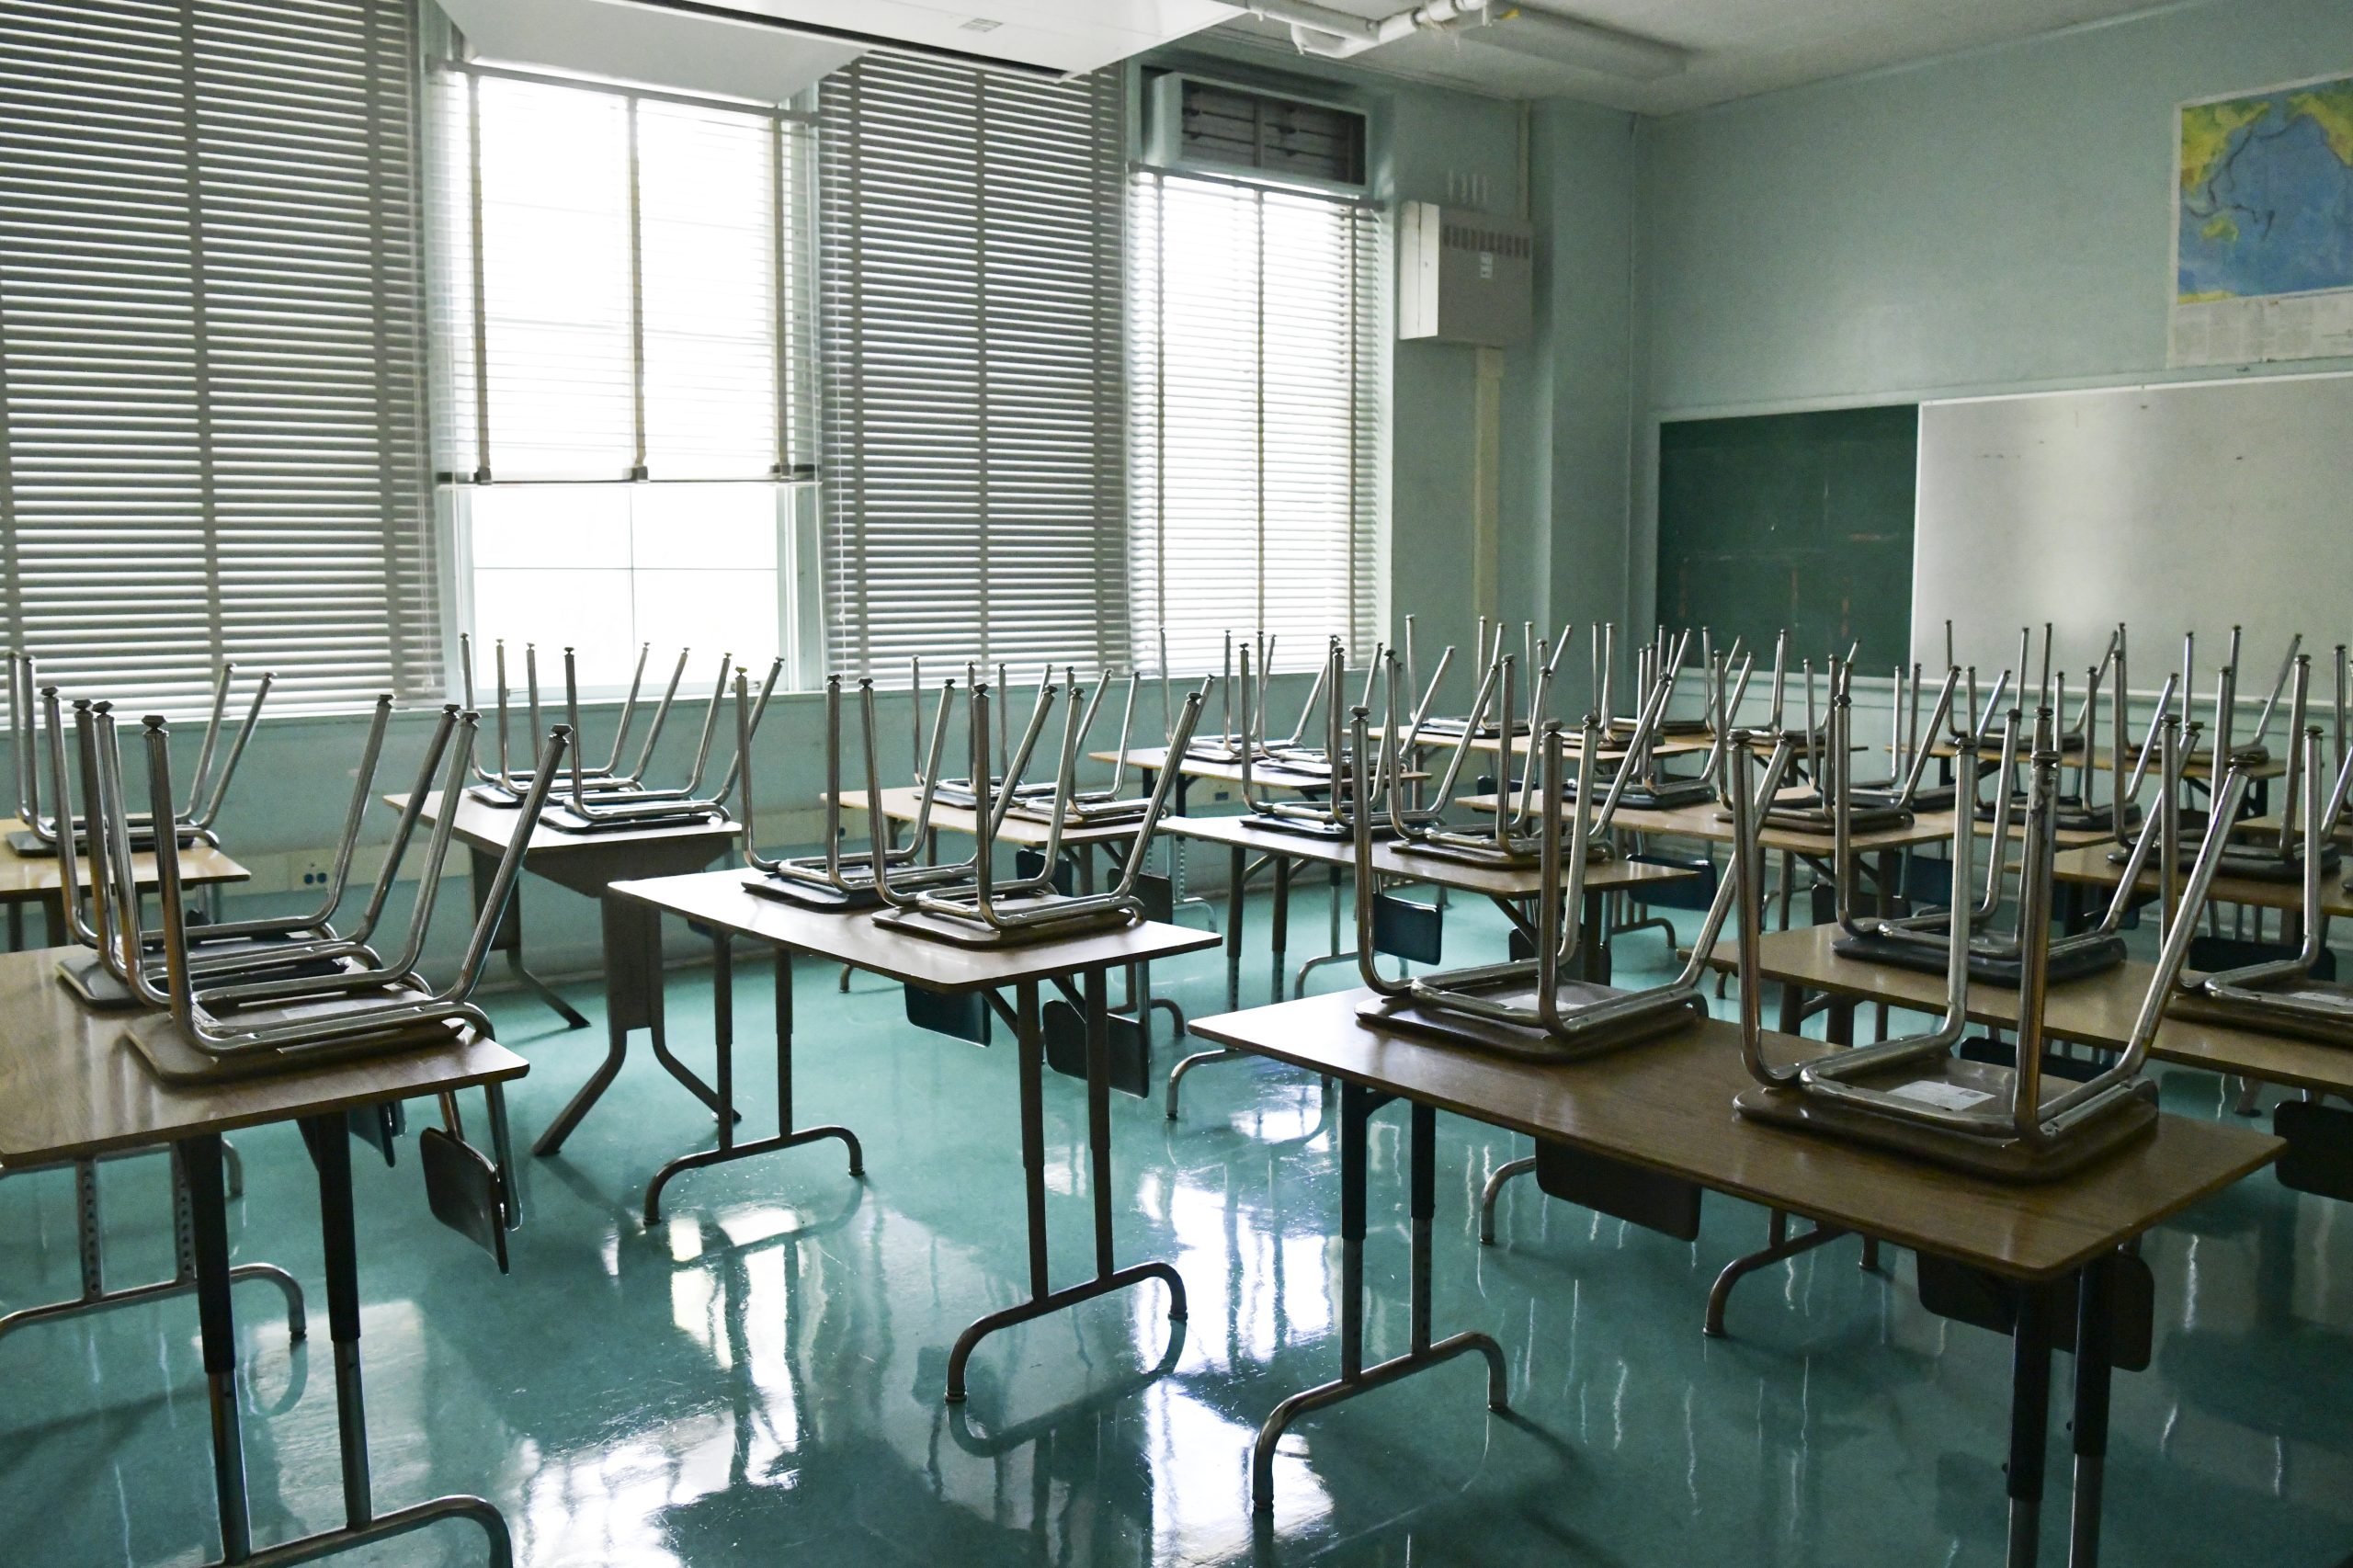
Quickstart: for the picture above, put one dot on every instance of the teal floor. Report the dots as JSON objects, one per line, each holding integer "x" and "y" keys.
{"x": 758, "y": 1381}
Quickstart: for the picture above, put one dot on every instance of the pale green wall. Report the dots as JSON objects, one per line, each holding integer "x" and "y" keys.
{"x": 1995, "y": 222}
{"x": 1990, "y": 221}
{"x": 1585, "y": 195}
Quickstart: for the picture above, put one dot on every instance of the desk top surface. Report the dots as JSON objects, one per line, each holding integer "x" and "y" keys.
{"x": 722, "y": 899}
{"x": 1705, "y": 821}
{"x": 489, "y": 828}
{"x": 1263, "y": 776}
{"x": 70, "y": 1087}
{"x": 2096, "y": 1010}
{"x": 2091, "y": 865}
{"x": 24, "y": 877}
{"x": 2198, "y": 766}
{"x": 904, "y": 803}
{"x": 1667, "y": 1105}
{"x": 1240, "y": 832}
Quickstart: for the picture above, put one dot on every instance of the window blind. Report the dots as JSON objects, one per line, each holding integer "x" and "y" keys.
{"x": 1254, "y": 420}
{"x": 211, "y": 433}
{"x": 623, "y": 288}
{"x": 970, "y": 243}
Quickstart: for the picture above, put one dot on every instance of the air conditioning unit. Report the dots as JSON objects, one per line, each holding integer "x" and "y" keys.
{"x": 1192, "y": 122}
{"x": 1464, "y": 277}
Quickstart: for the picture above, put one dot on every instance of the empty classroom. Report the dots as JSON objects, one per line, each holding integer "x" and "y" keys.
{"x": 1189, "y": 782}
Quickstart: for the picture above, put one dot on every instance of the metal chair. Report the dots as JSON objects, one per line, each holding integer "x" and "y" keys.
{"x": 1916, "y": 1094}
{"x": 992, "y": 913}
{"x": 1530, "y": 1007}
{"x": 206, "y": 789}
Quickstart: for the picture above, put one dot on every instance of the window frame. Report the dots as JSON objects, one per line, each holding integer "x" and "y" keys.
{"x": 465, "y": 419}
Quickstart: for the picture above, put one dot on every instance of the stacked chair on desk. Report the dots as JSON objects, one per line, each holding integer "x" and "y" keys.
{"x": 206, "y": 792}
{"x": 1529, "y": 1007}
{"x": 967, "y": 903}
{"x": 608, "y": 798}
{"x": 1915, "y": 1093}
{"x": 258, "y": 998}
{"x": 2286, "y": 995}
{"x": 1923, "y": 941}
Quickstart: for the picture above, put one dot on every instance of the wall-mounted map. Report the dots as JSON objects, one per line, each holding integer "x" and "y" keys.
{"x": 2263, "y": 232}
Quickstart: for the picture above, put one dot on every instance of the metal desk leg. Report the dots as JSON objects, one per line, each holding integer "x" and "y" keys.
{"x": 508, "y": 939}
{"x": 2030, "y": 1423}
{"x": 1239, "y": 879}
{"x": 1279, "y": 920}
{"x": 723, "y": 1006}
{"x": 1495, "y": 1190}
{"x": 1594, "y": 952}
{"x": 52, "y": 919}
{"x": 1357, "y": 1105}
{"x": 2093, "y": 1321}
{"x": 632, "y": 933}
{"x": 1780, "y": 1246}
{"x": 16, "y": 927}
{"x": 1889, "y": 875}
{"x": 1043, "y": 1298}
{"x": 88, "y": 1236}
{"x": 330, "y": 1146}
{"x": 209, "y": 1244}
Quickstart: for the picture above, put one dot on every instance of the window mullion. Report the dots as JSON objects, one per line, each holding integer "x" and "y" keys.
{"x": 208, "y": 490}
{"x": 481, "y": 290}
{"x": 636, "y": 301}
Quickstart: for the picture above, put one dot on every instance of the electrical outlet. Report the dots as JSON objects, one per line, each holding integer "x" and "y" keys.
{"x": 1223, "y": 795}
{"x": 309, "y": 871}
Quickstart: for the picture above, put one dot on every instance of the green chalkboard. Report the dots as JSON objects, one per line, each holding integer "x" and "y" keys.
{"x": 1800, "y": 521}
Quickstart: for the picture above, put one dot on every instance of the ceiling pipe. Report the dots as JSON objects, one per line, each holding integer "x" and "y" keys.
{"x": 1335, "y": 34}
{"x": 1325, "y": 30}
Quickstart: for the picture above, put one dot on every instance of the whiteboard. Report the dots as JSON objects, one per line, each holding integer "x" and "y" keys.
{"x": 2170, "y": 508}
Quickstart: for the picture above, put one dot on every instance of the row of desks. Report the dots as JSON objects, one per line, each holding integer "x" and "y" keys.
{"x": 1665, "y": 1109}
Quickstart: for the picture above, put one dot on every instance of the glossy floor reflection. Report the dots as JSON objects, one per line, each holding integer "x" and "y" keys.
{"x": 758, "y": 1381}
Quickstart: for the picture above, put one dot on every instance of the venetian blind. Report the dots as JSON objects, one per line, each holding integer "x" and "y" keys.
{"x": 211, "y": 433}
{"x": 1253, "y": 419}
{"x": 970, "y": 244}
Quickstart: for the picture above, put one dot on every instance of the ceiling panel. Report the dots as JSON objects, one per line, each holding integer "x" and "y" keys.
{"x": 1067, "y": 35}
{"x": 1739, "y": 47}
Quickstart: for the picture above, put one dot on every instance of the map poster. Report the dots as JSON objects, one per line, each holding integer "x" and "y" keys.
{"x": 2263, "y": 226}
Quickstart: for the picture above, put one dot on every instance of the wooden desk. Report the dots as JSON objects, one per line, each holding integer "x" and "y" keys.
{"x": 34, "y": 878}
{"x": 72, "y": 1091}
{"x": 1665, "y": 1107}
{"x": 2096, "y": 1011}
{"x": 1705, "y": 823}
{"x": 2090, "y": 866}
{"x": 1152, "y": 759}
{"x": 1507, "y": 888}
{"x": 904, "y": 803}
{"x": 719, "y": 901}
{"x": 585, "y": 863}
{"x": 1524, "y": 745}
{"x": 2198, "y": 766}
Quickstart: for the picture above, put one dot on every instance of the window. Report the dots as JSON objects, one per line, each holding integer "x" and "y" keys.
{"x": 1254, "y": 402}
{"x": 211, "y": 386}
{"x": 629, "y": 368}
{"x": 970, "y": 295}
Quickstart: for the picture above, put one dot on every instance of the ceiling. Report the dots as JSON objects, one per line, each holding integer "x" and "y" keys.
{"x": 1738, "y": 46}
{"x": 1066, "y": 35}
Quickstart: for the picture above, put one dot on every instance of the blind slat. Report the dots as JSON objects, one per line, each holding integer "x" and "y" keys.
{"x": 212, "y": 348}
{"x": 1253, "y": 432}
{"x": 974, "y": 494}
